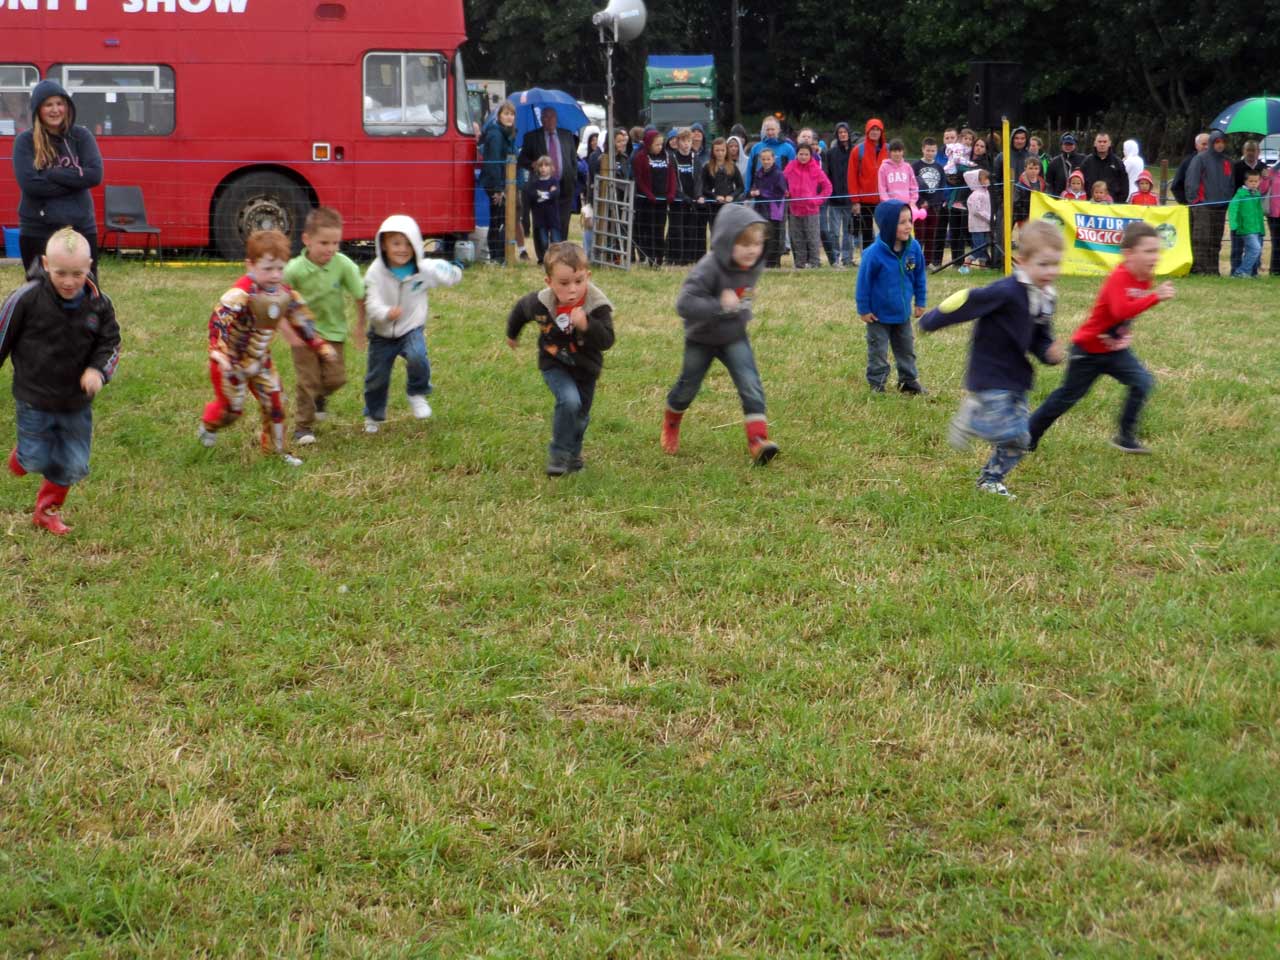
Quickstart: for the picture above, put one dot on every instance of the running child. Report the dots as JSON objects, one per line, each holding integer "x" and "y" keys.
{"x": 715, "y": 305}
{"x": 575, "y": 327}
{"x": 62, "y": 333}
{"x": 1014, "y": 318}
{"x": 241, "y": 329}
{"x": 1101, "y": 345}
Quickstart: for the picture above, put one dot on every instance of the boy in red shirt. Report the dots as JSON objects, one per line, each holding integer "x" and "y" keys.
{"x": 1101, "y": 344}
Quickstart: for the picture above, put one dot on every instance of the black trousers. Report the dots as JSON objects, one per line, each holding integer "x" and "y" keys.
{"x": 650, "y": 233}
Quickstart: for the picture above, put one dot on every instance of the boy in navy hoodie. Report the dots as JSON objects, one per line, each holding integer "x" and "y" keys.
{"x": 1014, "y": 317}
{"x": 893, "y": 269}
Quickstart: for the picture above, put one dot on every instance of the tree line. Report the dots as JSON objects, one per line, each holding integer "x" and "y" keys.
{"x": 1160, "y": 69}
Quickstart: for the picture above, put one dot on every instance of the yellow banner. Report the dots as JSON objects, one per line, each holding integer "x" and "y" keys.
{"x": 1092, "y": 233}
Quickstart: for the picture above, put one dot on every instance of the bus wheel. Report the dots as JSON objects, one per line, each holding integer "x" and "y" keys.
{"x": 258, "y": 201}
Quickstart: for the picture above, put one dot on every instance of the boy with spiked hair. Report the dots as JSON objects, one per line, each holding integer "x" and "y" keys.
{"x": 62, "y": 333}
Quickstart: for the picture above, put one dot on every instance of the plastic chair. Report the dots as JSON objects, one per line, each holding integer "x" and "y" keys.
{"x": 127, "y": 214}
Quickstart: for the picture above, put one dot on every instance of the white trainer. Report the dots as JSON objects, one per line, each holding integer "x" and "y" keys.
{"x": 290, "y": 460}
{"x": 206, "y": 436}
{"x": 421, "y": 409}
{"x": 370, "y": 425}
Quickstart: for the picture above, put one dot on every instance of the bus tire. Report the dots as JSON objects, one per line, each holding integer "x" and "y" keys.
{"x": 258, "y": 201}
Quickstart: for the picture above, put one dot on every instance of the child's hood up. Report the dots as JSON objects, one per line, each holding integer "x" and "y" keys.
{"x": 401, "y": 223}
{"x": 971, "y": 178}
{"x": 732, "y": 219}
{"x": 887, "y": 214}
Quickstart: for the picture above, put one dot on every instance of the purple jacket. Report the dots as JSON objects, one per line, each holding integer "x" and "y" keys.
{"x": 773, "y": 190}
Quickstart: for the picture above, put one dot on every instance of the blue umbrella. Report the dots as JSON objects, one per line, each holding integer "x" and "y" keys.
{"x": 1254, "y": 115}
{"x": 530, "y": 103}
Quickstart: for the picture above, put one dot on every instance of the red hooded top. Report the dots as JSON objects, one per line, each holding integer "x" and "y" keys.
{"x": 864, "y": 166}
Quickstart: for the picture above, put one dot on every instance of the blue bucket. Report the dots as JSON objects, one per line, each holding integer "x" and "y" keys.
{"x": 11, "y": 248}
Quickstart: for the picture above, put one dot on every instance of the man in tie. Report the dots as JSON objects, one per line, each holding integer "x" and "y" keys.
{"x": 562, "y": 147}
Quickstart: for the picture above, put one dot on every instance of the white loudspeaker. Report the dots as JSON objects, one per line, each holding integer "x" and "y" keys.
{"x": 625, "y": 17}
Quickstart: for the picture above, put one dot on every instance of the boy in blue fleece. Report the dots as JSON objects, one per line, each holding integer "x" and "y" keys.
{"x": 892, "y": 271}
{"x": 1014, "y": 317}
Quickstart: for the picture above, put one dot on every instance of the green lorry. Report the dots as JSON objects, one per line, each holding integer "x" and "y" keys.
{"x": 681, "y": 90}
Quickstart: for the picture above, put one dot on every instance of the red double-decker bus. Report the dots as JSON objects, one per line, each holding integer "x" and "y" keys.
{"x": 236, "y": 115}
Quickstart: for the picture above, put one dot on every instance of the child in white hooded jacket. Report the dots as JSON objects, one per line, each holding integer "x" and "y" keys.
{"x": 396, "y": 286}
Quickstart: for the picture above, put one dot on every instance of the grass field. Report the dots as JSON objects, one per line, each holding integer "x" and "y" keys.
{"x": 414, "y": 699}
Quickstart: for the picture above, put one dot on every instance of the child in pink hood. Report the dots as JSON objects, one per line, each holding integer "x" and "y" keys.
{"x": 1075, "y": 187}
{"x": 807, "y": 187}
{"x": 897, "y": 178}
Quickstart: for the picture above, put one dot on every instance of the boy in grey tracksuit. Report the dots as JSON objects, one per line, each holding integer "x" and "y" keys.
{"x": 715, "y": 305}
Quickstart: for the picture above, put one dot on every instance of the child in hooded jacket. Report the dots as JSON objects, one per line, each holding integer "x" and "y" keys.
{"x": 864, "y": 178}
{"x": 892, "y": 272}
{"x": 396, "y": 286}
{"x": 1145, "y": 195}
{"x": 715, "y": 305}
{"x": 807, "y": 187}
{"x": 1075, "y": 187}
{"x": 978, "y": 181}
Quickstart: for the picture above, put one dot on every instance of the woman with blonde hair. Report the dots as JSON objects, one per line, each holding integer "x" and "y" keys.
{"x": 56, "y": 164}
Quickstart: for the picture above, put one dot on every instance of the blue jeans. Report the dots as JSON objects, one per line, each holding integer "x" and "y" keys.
{"x": 837, "y": 233}
{"x": 1250, "y": 254}
{"x": 879, "y": 338}
{"x": 1084, "y": 368}
{"x": 981, "y": 248}
{"x": 382, "y": 357}
{"x": 737, "y": 358}
{"x": 573, "y": 411}
{"x": 1000, "y": 418}
{"x": 54, "y": 444}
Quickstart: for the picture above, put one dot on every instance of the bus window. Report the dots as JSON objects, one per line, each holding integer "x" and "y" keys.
{"x": 405, "y": 94}
{"x": 120, "y": 101}
{"x": 16, "y": 81}
{"x": 462, "y": 104}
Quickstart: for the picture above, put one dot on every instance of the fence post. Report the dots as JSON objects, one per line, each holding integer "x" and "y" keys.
{"x": 510, "y": 212}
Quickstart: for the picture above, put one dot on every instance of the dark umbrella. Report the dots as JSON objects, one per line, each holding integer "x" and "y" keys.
{"x": 1254, "y": 115}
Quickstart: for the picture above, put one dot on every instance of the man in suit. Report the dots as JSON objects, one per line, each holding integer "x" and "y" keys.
{"x": 562, "y": 147}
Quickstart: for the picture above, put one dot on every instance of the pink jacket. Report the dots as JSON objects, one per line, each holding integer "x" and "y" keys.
{"x": 979, "y": 203}
{"x": 1270, "y": 188}
{"x": 807, "y": 186}
{"x": 898, "y": 182}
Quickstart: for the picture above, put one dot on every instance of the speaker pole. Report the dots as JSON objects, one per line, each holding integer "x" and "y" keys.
{"x": 1006, "y": 190}
{"x": 737, "y": 63}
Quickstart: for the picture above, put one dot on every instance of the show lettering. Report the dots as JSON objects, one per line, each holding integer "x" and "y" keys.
{"x": 131, "y": 6}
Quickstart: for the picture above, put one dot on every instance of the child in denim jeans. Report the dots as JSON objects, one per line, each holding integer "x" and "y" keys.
{"x": 1014, "y": 317}
{"x": 892, "y": 273}
{"x": 715, "y": 305}
{"x": 575, "y": 327}
{"x": 62, "y": 333}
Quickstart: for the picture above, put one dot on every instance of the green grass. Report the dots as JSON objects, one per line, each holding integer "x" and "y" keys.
{"x": 414, "y": 699}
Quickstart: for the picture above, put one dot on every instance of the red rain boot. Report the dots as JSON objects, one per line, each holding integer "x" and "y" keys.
{"x": 762, "y": 449}
{"x": 49, "y": 501}
{"x": 14, "y": 466}
{"x": 671, "y": 430}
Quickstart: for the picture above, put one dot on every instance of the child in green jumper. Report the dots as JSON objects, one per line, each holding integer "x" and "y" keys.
{"x": 1245, "y": 216}
{"x": 320, "y": 275}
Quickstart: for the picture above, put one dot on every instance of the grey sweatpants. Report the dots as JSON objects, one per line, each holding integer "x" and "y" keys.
{"x": 806, "y": 240}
